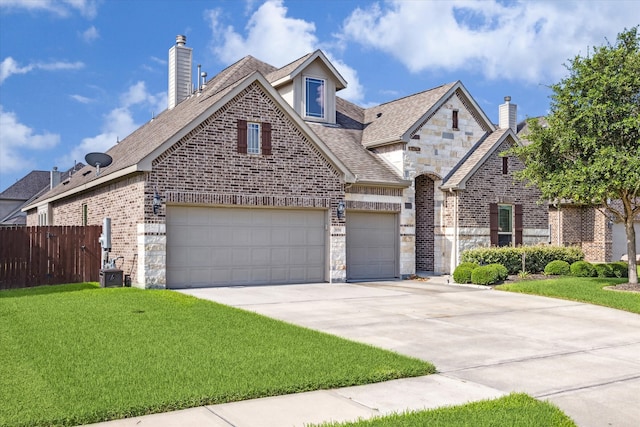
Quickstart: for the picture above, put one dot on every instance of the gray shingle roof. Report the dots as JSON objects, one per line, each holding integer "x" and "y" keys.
{"x": 389, "y": 121}
{"x": 27, "y": 186}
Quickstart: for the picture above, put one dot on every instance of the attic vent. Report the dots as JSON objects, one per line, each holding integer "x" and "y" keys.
{"x": 379, "y": 115}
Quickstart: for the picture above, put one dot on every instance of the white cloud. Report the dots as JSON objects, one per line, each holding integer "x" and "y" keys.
{"x": 119, "y": 122}
{"x": 18, "y": 140}
{"x": 63, "y": 8}
{"x": 90, "y": 34}
{"x": 9, "y": 67}
{"x": 81, "y": 99}
{"x": 525, "y": 41}
{"x": 270, "y": 26}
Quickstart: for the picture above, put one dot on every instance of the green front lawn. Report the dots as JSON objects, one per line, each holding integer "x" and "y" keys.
{"x": 75, "y": 354}
{"x": 583, "y": 289}
{"x": 514, "y": 410}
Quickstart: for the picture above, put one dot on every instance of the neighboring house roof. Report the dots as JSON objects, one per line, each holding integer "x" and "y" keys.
{"x": 28, "y": 189}
{"x": 457, "y": 178}
{"x": 523, "y": 128}
{"x": 25, "y": 188}
{"x": 396, "y": 121}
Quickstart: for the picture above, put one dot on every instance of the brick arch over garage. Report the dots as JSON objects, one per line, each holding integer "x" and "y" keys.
{"x": 425, "y": 222}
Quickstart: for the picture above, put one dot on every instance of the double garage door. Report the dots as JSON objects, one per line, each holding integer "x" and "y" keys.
{"x": 234, "y": 246}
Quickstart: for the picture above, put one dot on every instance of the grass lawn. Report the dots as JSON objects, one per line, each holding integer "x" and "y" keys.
{"x": 583, "y": 289}
{"x": 514, "y": 410}
{"x": 74, "y": 354}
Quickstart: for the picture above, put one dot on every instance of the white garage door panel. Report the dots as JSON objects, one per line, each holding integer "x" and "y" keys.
{"x": 229, "y": 246}
{"x": 372, "y": 246}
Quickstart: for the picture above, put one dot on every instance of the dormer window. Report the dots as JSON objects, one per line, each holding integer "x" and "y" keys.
{"x": 314, "y": 97}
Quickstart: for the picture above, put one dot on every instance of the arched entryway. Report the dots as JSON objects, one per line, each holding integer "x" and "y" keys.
{"x": 425, "y": 220}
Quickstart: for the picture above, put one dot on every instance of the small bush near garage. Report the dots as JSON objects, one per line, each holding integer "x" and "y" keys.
{"x": 462, "y": 273}
{"x": 535, "y": 257}
{"x": 620, "y": 269}
{"x": 501, "y": 271}
{"x": 485, "y": 275}
{"x": 583, "y": 269}
{"x": 603, "y": 270}
{"x": 557, "y": 268}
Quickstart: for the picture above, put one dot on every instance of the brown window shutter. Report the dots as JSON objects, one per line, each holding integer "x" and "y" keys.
{"x": 266, "y": 139}
{"x": 493, "y": 223}
{"x": 242, "y": 136}
{"x": 518, "y": 224}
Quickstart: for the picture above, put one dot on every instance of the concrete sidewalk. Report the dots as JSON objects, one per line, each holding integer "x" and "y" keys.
{"x": 484, "y": 343}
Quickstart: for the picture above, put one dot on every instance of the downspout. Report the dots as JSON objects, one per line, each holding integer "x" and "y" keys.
{"x": 559, "y": 226}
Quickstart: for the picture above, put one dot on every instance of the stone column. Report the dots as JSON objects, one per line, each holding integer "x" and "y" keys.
{"x": 152, "y": 256}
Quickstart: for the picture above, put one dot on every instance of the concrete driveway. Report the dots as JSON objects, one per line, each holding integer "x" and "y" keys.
{"x": 583, "y": 358}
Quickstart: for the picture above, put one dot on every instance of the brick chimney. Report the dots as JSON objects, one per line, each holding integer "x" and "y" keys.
{"x": 180, "y": 83}
{"x": 508, "y": 115}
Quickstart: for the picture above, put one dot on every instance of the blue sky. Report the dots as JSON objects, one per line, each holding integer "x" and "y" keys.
{"x": 77, "y": 75}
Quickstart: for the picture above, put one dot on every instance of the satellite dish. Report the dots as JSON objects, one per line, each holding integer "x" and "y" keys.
{"x": 97, "y": 160}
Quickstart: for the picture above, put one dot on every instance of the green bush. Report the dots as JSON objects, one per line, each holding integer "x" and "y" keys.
{"x": 582, "y": 269}
{"x": 536, "y": 257}
{"x": 501, "y": 271}
{"x": 462, "y": 274}
{"x": 619, "y": 268}
{"x": 557, "y": 268}
{"x": 604, "y": 270}
{"x": 470, "y": 265}
{"x": 485, "y": 275}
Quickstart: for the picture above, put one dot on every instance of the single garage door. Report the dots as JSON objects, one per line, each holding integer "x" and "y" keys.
{"x": 372, "y": 246}
{"x": 233, "y": 246}
{"x": 619, "y": 237}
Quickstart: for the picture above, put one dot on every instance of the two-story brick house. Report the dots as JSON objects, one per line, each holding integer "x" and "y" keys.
{"x": 265, "y": 175}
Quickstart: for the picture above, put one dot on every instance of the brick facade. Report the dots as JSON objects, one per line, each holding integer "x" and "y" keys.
{"x": 582, "y": 226}
{"x": 425, "y": 223}
{"x": 489, "y": 185}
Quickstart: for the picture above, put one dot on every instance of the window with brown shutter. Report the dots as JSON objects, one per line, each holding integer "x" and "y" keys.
{"x": 266, "y": 139}
{"x": 454, "y": 120}
{"x": 518, "y": 224}
{"x": 493, "y": 223}
{"x": 242, "y": 136}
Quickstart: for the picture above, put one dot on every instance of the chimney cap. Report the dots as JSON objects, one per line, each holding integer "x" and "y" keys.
{"x": 507, "y": 98}
{"x": 181, "y": 40}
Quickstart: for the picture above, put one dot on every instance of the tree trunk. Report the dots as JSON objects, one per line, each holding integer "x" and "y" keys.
{"x": 631, "y": 249}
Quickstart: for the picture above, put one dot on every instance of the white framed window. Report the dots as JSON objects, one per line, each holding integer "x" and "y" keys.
{"x": 314, "y": 97}
{"x": 505, "y": 225}
{"x": 253, "y": 138}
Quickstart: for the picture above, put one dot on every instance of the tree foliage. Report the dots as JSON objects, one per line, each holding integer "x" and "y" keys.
{"x": 587, "y": 150}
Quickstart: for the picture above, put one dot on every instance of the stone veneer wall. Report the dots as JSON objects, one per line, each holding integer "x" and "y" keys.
{"x": 434, "y": 150}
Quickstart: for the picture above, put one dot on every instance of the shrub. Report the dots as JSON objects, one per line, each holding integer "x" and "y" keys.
{"x": 462, "y": 274}
{"x": 582, "y": 269}
{"x": 620, "y": 269}
{"x": 536, "y": 257}
{"x": 501, "y": 271}
{"x": 485, "y": 275}
{"x": 557, "y": 268}
{"x": 603, "y": 270}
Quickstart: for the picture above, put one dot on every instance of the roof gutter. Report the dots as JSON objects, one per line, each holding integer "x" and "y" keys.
{"x": 80, "y": 188}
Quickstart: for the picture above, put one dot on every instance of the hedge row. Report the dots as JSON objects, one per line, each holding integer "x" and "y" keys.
{"x": 535, "y": 257}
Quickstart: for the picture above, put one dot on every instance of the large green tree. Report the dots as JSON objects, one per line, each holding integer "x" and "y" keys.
{"x": 588, "y": 148}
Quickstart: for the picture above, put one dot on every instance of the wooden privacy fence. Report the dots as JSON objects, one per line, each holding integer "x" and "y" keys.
{"x": 49, "y": 255}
